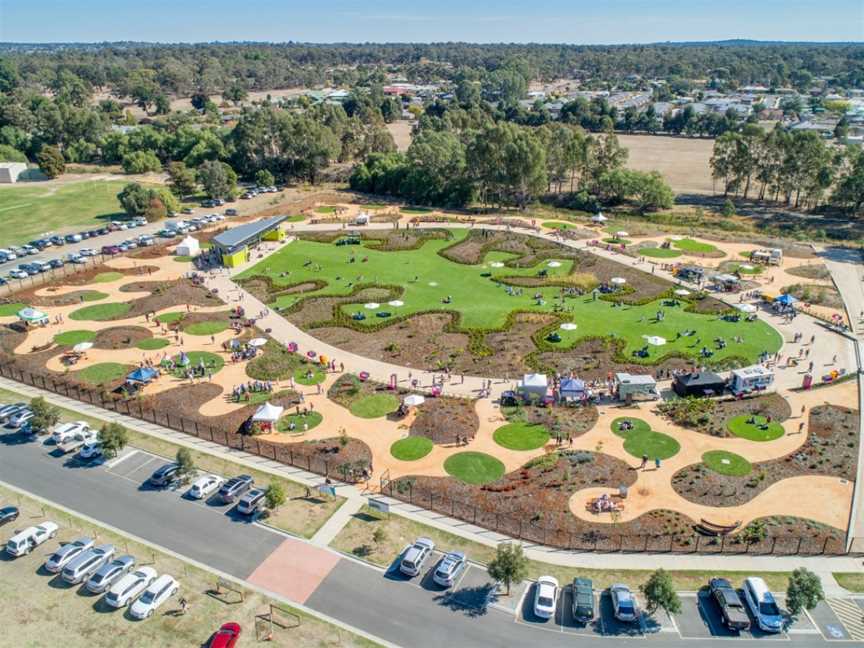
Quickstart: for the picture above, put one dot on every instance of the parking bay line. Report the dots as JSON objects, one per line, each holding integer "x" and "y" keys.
{"x": 119, "y": 459}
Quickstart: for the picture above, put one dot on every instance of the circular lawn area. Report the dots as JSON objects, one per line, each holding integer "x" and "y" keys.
{"x": 103, "y": 372}
{"x": 759, "y": 430}
{"x": 212, "y": 362}
{"x": 689, "y": 245}
{"x": 312, "y": 419}
{"x": 642, "y": 440}
{"x": 106, "y": 277}
{"x": 301, "y": 374}
{"x": 659, "y": 252}
{"x": 411, "y": 448}
{"x": 71, "y": 338}
{"x": 617, "y": 241}
{"x": 100, "y": 312}
{"x": 558, "y": 225}
{"x": 93, "y": 295}
{"x": 7, "y": 310}
{"x": 521, "y": 436}
{"x": 170, "y": 318}
{"x": 374, "y": 406}
{"x": 210, "y": 327}
{"x": 726, "y": 463}
{"x": 474, "y": 467}
{"x": 152, "y": 344}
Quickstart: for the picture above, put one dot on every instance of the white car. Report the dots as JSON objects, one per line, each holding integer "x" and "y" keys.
{"x": 87, "y": 252}
{"x": 155, "y": 595}
{"x": 546, "y": 597}
{"x": 762, "y": 605}
{"x": 124, "y": 591}
{"x": 91, "y": 450}
{"x": 67, "y": 431}
{"x": 27, "y": 540}
{"x": 67, "y": 553}
{"x": 416, "y": 555}
{"x": 19, "y": 419}
{"x": 109, "y": 573}
{"x": 18, "y": 273}
{"x": 204, "y": 486}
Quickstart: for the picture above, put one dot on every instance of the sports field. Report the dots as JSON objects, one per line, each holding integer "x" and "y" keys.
{"x": 32, "y": 210}
{"x": 429, "y": 281}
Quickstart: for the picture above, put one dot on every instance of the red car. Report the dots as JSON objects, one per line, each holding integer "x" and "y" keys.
{"x": 226, "y": 637}
{"x": 110, "y": 249}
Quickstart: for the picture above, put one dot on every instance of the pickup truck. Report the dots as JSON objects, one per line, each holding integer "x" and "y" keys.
{"x": 78, "y": 440}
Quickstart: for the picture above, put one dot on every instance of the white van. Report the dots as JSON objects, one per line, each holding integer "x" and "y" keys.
{"x": 27, "y": 540}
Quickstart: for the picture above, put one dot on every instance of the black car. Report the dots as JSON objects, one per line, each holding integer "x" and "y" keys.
{"x": 583, "y": 600}
{"x": 57, "y": 240}
{"x": 56, "y": 263}
{"x": 97, "y": 232}
{"x": 84, "y": 234}
{"x": 8, "y": 514}
{"x": 39, "y": 244}
{"x": 102, "y": 231}
{"x": 731, "y": 607}
{"x": 164, "y": 475}
{"x": 234, "y": 488}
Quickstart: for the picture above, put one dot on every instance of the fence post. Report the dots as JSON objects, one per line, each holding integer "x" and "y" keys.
{"x": 773, "y": 544}
{"x": 825, "y": 546}
{"x": 798, "y": 549}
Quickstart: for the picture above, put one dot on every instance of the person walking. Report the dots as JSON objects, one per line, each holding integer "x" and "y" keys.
{"x": 644, "y": 462}
{"x": 656, "y": 463}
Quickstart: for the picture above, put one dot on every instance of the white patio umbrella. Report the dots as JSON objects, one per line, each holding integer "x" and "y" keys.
{"x": 599, "y": 218}
{"x": 497, "y": 264}
{"x": 396, "y": 303}
{"x": 621, "y": 234}
{"x": 568, "y": 326}
{"x": 618, "y": 281}
{"x": 31, "y": 314}
{"x": 746, "y": 308}
{"x": 413, "y": 400}
{"x": 257, "y": 342}
{"x": 655, "y": 340}
{"x": 372, "y": 305}
{"x": 554, "y": 264}
{"x": 81, "y": 347}
{"x": 682, "y": 292}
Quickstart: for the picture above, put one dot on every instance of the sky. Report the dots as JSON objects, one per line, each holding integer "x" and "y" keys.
{"x": 484, "y": 21}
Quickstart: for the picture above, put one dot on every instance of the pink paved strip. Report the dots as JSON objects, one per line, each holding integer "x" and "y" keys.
{"x": 294, "y": 570}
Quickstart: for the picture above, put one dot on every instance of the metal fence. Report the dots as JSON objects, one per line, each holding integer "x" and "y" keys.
{"x": 68, "y": 269}
{"x": 139, "y": 409}
{"x": 533, "y": 530}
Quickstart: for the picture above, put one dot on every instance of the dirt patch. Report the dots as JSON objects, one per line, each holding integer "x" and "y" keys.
{"x": 315, "y": 311}
{"x": 814, "y": 271}
{"x": 594, "y": 358}
{"x": 181, "y": 292}
{"x": 815, "y": 294}
{"x": 684, "y": 162}
{"x": 562, "y": 422}
{"x": 831, "y": 449}
{"x": 443, "y": 420}
{"x": 710, "y": 416}
{"x": 120, "y": 337}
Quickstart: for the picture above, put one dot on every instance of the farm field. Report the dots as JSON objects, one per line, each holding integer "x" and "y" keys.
{"x": 684, "y": 162}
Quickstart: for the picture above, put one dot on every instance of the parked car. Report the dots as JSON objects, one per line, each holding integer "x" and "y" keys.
{"x": 77, "y": 441}
{"x": 155, "y": 595}
{"x": 187, "y": 210}
{"x": 251, "y": 502}
{"x": 109, "y": 573}
{"x": 231, "y": 212}
{"x": 124, "y": 591}
{"x": 73, "y": 238}
{"x": 8, "y": 410}
{"x": 164, "y": 475}
{"x": 449, "y": 569}
{"x": 66, "y": 431}
{"x": 85, "y": 565}
{"x": 76, "y": 258}
{"x": 226, "y": 636}
{"x": 56, "y": 263}
{"x": 27, "y": 540}
{"x": 146, "y": 240}
{"x": 57, "y": 240}
{"x": 546, "y": 597}
{"x": 18, "y": 273}
{"x": 67, "y": 553}
{"x": 3, "y": 282}
{"x": 416, "y": 555}
{"x": 234, "y": 488}
{"x": 583, "y": 600}
{"x": 30, "y": 250}
{"x": 8, "y": 514}
{"x": 20, "y": 418}
{"x": 87, "y": 252}
{"x": 8, "y": 255}
{"x": 204, "y": 486}
{"x": 90, "y": 451}
{"x": 731, "y": 608}
{"x": 624, "y": 603}
{"x": 110, "y": 249}
{"x": 762, "y": 605}
{"x": 84, "y": 234}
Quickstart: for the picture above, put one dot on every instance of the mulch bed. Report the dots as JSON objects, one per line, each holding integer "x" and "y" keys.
{"x": 349, "y": 388}
{"x": 593, "y": 359}
{"x": 816, "y": 294}
{"x": 812, "y": 271}
{"x": 559, "y": 420}
{"x": 831, "y": 449}
{"x": 316, "y": 310}
{"x": 120, "y": 337}
{"x": 443, "y": 419}
{"x": 167, "y": 294}
{"x": 717, "y": 413}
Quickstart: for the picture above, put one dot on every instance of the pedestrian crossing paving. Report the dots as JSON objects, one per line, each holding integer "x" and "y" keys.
{"x": 850, "y": 614}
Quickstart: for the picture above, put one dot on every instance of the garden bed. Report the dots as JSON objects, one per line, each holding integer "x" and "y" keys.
{"x": 710, "y": 416}
{"x": 444, "y": 419}
{"x": 121, "y": 337}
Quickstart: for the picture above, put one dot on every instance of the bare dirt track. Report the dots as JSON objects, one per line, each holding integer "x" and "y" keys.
{"x": 684, "y": 162}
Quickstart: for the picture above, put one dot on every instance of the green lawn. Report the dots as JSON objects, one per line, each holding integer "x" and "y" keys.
{"x": 212, "y": 362}
{"x": 659, "y": 253}
{"x": 93, "y": 295}
{"x": 100, "y": 312}
{"x": 103, "y": 372}
{"x": 107, "y": 277}
{"x": 184, "y": 258}
{"x": 71, "y": 338}
{"x": 521, "y": 436}
{"x": 325, "y": 209}
{"x": 374, "y": 406}
{"x": 689, "y": 245}
{"x": 415, "y": 210}
{"x": 312, "y": 419}
{"x": 474, "y": 467}
{"x": 727, "y": 463}
{"x": 852, "y": 581}
{"x": 29, "y": 210}
{"x": 484, "y": 304}
{"x": 411, "y": 448}
{"x": 8, "y": 310}
{"x": 296, "y": 218}
{"x": 558, "y": 225}
{"x": 301, "y": 374}
{"x": 740, "y": 427}
{"x": 211, "y": 327}
{"x": 617, "y": 241}
{"x": 152, "y": 344}
{"x": 642, "y": 440}
{"x": 744, "y": 268}
{"x": 170, "y": 318}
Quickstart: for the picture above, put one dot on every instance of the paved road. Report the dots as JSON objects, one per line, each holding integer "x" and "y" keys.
{"x": 406, "y": 612}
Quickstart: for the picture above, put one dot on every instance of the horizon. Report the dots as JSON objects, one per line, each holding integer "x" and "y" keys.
{"x": 553, "y": 22}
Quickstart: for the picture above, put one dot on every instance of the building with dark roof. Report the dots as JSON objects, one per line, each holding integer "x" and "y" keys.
{"x": 698, "y": 383}
{"x": 233, "y": 246}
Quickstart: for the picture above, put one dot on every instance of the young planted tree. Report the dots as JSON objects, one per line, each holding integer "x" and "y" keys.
{"x": 274, "y": 496}
{"x": 659, "y": 592}
{"x": 51, "y": 161}
{"x": 509, "y": 564}
{"x": 186, "y": 465}
{"x": 45, "y": 415}
{"x": 804, "y": 591}
{"x": 113, "y": 438}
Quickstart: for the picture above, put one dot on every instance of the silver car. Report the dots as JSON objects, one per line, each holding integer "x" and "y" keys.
{"x": 449, "y": 569}
{"x": 67, "y": 553}
{"x": 416, "y": 555}
{"x": 109, "y": 573}
{"x": 85, "y": 565}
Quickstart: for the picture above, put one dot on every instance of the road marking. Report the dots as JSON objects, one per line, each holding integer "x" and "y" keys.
{"x": 850, "y": 615}
{"x": 116, "y": 461}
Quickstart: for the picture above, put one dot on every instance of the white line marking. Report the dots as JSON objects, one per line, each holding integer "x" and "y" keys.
{"x": 124, "y": 457}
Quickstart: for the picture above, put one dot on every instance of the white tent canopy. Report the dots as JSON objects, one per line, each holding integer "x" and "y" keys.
{"x": 188, "y": 247}
{"x": 618, "y": 281}
{"x": 534, "y": 384}
{"x": 621, "y": 234}
{"x": 32, "y": 316}
{"x": 682, "y": 292}
{"x": 257, "y": 342}
{"x": 746, "y": 308}
{"x": 268, "y": 413}
{"x": 413, "y": 400}
{"x": 81, "y": 347}
{"x": 599, "y": 218}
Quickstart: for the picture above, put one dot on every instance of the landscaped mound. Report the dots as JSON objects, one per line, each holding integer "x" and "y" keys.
{"x": 755, "y": 427}
{"x": 727, "y": 463}
{"x": 71, "y": 338}
{"x": 411, "y": 448}
{"x": 103, "y": 372}
{"x": 374, "y": 405}
{"x": 101, "y": 312}
{"x": 521, "y": 436}
{"x": 641, "y": 440}
{"x": 474, "y": 467}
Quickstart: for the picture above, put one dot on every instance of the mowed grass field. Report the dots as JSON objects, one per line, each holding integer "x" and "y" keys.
{"x": 428, "y": 279}
{"x": 30, "y": 210}
{"x": 683, "y": 161}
